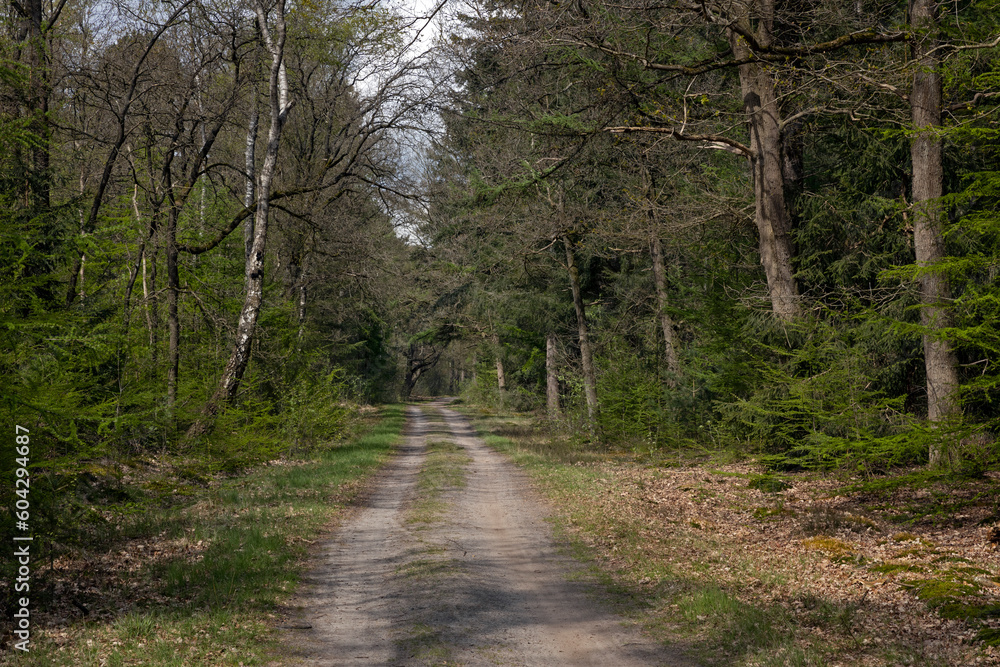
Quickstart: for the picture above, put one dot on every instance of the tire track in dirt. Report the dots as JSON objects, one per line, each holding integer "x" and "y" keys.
{"x": 483, "y": 584}
{"x": 349, "y": 599}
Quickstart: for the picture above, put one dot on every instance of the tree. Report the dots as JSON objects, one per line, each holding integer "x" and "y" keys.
{"x": 583, "y": 333}
{"x": 273, "y": 36}
{"x": 670, "y": 64}
{"x": 551, "y": 377}
{"x": 928, "y": 216}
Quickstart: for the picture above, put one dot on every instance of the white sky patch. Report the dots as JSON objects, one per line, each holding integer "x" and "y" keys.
{"x": 425, "y": 23}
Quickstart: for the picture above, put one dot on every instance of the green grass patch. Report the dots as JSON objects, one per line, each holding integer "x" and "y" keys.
{"x": 896, "y": 568}
{"x": 937, "y": 591}
{"x": 760, "y": 633}
{"x": 956, "y": 596}
{"x": 215, "y": 603}
{"x": 952, "y": 597}
{"x": 989, "y": 636}
{"x": 772, "y": 513}
{"x": 768, "y": 484}
{"x": 426, "y": 645}
{"x": 443, "y": 469}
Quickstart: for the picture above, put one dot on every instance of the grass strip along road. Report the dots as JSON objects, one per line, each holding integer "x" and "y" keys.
{"x": 203, "y": 582}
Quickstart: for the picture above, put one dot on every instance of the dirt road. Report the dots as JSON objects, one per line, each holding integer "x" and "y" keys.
{"x": 476, "y": 581}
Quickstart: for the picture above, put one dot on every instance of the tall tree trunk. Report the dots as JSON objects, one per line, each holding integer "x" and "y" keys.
{"x": 152, "y": 308}
{"x": 774, "y": 224}
{"x": 301, "y": 313}
{"x": 81, "y": 291}
{"x": 150, "y": 240}
{"x": 666, "y": 323}
{"x": 126, "y": 324}
{"x": 928, "y": 217}
{"x": 129, "y": 286}
{"x": 145, "y": 301}
{"x": 250, "y": 157}
{"x": 551, "y": 377}
{"x": 409, "y": 382}
{"x": 586, "y": 354}
{"x": 232, "y": 376}
{"x": 303, "y": 297}
{"x": 173, "y": 317}
{"x": 34, "y": 50}
{"x": 501, "y": 377}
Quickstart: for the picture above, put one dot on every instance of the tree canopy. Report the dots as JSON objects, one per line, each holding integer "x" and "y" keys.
{"x": 760, "y": 226}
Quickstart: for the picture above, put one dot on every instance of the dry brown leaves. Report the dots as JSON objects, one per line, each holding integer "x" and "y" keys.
{"x": 104, "y": 586}
{"x": 777, "y": 548}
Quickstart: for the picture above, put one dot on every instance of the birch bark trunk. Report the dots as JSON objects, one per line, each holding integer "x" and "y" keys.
{"x": 501, "y": 376}
{"x": 153, "y": 306}
{"x": 301, "y": 314}
{"x": 249, "y": 158}
{"x": 232, "y": 376}
{"x": 145, "y": 302}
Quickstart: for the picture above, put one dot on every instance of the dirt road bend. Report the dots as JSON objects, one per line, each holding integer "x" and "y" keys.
{"x": 461, "y": 573}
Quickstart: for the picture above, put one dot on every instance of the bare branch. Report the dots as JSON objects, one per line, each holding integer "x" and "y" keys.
{"x": 731, "y": 144}
{"x": 54, "y": 16}
{"x": 978, "y": 98}
{"x": 850, "y": 39}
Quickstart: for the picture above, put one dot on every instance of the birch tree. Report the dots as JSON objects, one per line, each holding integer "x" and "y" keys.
{"x": 273, "y": 36}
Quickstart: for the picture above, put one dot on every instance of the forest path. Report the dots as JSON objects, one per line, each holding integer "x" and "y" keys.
{"x": 461, "y": 573}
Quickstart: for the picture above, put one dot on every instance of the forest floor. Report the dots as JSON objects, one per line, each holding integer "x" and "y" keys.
{"x": 177, "y": 564}
{"x": 450, "y": 562}
{"x": 740, "y": 567}
{"x": 576, "y": 555}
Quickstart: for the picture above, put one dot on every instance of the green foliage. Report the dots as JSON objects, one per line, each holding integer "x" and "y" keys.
{"x": 634, "y": 401}
{"x": 317, "y": 410}
{"x": 818, "y": 404}
{"x": 768, "y": 484}
{"x": 246, "y": 545}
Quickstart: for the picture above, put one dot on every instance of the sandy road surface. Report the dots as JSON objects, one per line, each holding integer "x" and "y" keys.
{"x": 480, "y": 585}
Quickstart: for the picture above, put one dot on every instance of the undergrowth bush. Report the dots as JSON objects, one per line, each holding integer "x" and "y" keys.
{"x": 483, "y": 390}
{"x": 817, "y": 401}
{"x": 317, "y": 409}
{"x": 635, "y": 401}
